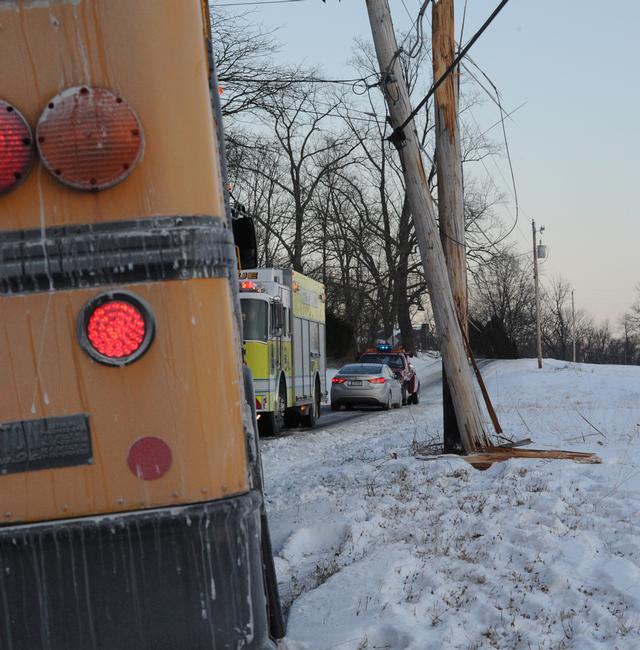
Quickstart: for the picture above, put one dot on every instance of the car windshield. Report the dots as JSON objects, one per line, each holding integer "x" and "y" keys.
{"x": 392, "y": 360}
{"x": 361, "y": 369}
{"x": 255, "y": 319}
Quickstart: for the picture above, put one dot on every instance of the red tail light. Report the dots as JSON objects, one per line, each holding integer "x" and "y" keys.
{"x": 377, "y": 380}
{"x": 116, "y": 328}
{"x": 16, "y": 147}
{"x": 338, "y": 380}
{"x": 89, "y": 138}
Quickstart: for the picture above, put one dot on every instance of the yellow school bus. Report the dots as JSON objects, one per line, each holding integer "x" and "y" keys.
{"x": 131, "y": 512}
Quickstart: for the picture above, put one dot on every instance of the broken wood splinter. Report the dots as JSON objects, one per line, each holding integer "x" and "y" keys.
{"x": 489, "y": 455}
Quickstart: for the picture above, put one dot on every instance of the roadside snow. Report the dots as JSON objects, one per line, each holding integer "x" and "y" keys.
{"x": 378, "y": 549}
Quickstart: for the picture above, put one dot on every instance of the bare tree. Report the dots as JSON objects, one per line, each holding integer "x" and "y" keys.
{"x": 314, "y": 169}
{"x": 244, "y": 52}
{"x": 633, "y": 315}
{"x": 306, "y": 153}
{"x": 630, "y": 339}
{"x": 557, "y": 322}
{"x": 502, "y": 301}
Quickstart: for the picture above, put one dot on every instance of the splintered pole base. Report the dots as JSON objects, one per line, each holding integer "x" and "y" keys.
{"x": 489, "y": 455}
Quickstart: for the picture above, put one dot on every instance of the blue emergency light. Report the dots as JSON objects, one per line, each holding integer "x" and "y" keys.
{"x": 384, "y": 347}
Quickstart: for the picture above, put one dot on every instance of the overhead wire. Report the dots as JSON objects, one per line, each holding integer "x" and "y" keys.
{"x": 415, "y": 48}
{"x": 295, "y": 80}
{"x": 501, "y": 122}
{"x": 398, "y": 130}
{"x": 464, "y": 18}
{"x": 496, "y": 100}
{"x": 256, "y": 2}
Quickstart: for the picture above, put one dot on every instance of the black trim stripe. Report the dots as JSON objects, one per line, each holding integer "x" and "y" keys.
{"x": 117, "y": 252}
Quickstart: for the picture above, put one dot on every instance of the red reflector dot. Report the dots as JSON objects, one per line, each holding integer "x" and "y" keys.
{"x": 16, "y": 148}
{"x": 149, "y": 458}
{"x": 116, "y": 329}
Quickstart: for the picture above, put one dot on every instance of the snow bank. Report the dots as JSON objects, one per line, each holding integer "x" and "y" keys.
{"x": 379, "y": 549}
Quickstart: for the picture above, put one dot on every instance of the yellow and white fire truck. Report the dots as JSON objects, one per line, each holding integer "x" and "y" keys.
{"x": 284, "y": 345}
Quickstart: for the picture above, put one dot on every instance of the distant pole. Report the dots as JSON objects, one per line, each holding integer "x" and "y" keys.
{"x": 537, "y": 285}
{"x": 573, "y": 325}
{"x": 454, "y": 356}
{"x": 450, "y": 190}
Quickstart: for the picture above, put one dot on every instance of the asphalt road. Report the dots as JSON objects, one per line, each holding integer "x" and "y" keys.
{"x": 329, "y": 418}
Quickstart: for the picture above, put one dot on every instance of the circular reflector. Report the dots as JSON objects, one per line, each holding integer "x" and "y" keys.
{"x": 89, "y": 138}
{"x": 116, "y": 328}
{"x": 16, "y": 147}
{"x": 149, "y": 458}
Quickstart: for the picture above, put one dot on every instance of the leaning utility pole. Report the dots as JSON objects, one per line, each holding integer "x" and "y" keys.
{"x": 450, "y": 191}
{"x": 454, "y": 357}
{"x": 537, "y": 288}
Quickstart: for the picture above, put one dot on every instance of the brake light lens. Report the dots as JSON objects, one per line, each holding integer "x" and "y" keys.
{"x": 338, "y": 380}
{"x": 376, "y": 380}
{"x": 16, "y": 147}
{"x": 116, "y": 329}
{"x": 89, "y": 138}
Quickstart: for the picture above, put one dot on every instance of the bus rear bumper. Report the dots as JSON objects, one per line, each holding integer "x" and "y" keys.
{"x": 187, "y": 577}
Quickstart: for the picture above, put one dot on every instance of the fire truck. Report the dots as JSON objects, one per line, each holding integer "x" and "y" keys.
{"x": 284, "y": 345}
{"x": 131, "y": 505}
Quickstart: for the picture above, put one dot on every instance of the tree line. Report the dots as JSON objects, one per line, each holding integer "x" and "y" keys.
{"x": 503, "y": 318}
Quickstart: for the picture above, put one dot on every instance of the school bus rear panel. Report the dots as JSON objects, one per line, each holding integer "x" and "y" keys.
{"x": 127, "y": 518}
{"x": 177, "y": 392}
{"x": 151, "y": 52}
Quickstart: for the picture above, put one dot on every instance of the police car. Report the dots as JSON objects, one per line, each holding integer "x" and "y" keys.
{"x": 398, "y": 360}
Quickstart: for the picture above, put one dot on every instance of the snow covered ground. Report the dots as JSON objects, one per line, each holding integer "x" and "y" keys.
{"x": 379, "y": 548}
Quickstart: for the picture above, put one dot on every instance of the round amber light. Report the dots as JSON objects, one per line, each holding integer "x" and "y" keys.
{"x": 89, "y": 138}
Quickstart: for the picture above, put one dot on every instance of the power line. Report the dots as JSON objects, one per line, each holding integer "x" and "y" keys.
{"x": 414, "y": 22}
{"x": 509, "y": 114}
{"x": 464, "y": 18}
{"x": 490, "y": 175}
{"x": 496, "y": 100}
{"x": 332, "y": 112}
{"x": 398, "y": 130}
{"x": 261, "y": 2}
{"x": 295, "y": 80}
{"x": 417, "y": 23}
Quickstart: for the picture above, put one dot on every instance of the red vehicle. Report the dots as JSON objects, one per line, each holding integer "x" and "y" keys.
{"x": 398, "y": 360}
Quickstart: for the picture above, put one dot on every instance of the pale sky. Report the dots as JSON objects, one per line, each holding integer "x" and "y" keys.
{"x": 573, "y": 145}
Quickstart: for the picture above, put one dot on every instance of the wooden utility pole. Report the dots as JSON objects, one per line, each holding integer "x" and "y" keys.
{"x": 537, "y": 291}
{"x": 454, "y": 357}
{"x": 573, "y": 327}
{"x": 450, "y": 190}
